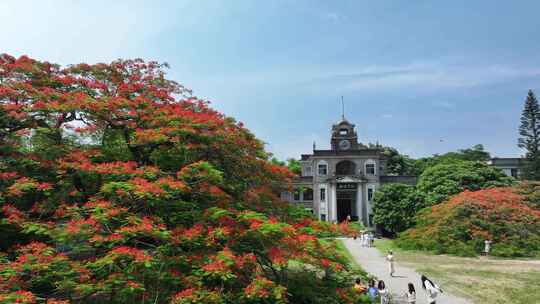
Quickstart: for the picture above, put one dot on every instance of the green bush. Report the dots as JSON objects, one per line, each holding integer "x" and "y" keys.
{"x": 395, "y": 206}
{"x": 443, "y": 180}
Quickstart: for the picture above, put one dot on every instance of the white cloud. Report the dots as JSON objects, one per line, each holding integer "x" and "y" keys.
{"x": 434, "y": 76}
{"x": 334, "y": 17}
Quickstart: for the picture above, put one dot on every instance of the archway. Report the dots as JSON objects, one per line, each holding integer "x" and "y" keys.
{"x": 345, "y": 167}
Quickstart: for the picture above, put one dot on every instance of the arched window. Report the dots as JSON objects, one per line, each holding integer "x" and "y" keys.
{"x": 345, "y": 167}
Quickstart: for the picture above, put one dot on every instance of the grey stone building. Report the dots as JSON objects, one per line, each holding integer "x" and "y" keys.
{"x": 341, "y": 182}
{"x": 511, "y": 166}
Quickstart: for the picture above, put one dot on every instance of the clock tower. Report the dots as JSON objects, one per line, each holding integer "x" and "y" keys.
{"x": 344, "y": 136}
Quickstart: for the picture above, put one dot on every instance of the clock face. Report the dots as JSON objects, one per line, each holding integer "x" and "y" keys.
{"x": 344, "y": 144}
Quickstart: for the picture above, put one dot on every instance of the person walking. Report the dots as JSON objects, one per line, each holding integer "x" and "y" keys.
{"x": 363, "y": 239}
{"x": 487, "y": 247}
{"x": 410, "y": 295}
{"x": 370, "y": 239}
{"x": 390, "y": 259}
{"x": 432, "y": 289}
{"x": 384, "y": 293}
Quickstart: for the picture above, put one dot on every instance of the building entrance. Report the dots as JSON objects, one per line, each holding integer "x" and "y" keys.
{"x": 345, "y": 202}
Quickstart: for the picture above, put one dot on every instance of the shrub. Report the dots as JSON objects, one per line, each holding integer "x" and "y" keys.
{"x": 441, "y": 181}
{"x": 460, "y": 225}
{"x": 531, "y": 191}
{"x": 395, "y": 206}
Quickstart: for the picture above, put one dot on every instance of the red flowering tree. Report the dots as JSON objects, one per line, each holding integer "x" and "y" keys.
{"x": 117, "y": 185}
{"x": 462, "y": 224}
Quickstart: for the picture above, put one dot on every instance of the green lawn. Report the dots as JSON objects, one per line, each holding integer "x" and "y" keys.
{"x": 484, "y": 280}
{"x": 342, "y": 250}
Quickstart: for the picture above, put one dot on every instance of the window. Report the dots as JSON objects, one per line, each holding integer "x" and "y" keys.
{"x": 307, "y": 171}
{"x": 514, "y": 172}
{"x": 323, "y": 217}
{"x": 370, "y": 169}
{"x": 323, "y": 194}
{"x": 308, "y": 194}
{"x": 296, "y": 194}
{"x": 370, "y": 194}
{"x": 345, "y": 167}
{"x": 323, "y": 169}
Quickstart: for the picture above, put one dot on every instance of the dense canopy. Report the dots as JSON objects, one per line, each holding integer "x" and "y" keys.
{"x": 117, "y": 185}
{"x": 437, "y": 183}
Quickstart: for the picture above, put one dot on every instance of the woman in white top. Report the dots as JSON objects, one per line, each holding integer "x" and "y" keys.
{"x": 432, "y": 289}
{"x": 384, "y": 293}
{"x": 487, "y": 247}
{"x": 411, "y": 294}
{"x": 390, "y": 260}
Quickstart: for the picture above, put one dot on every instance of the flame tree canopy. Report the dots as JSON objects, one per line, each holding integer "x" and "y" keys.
{"x": 117, "y": 185}
{"x": 461, "y": 224}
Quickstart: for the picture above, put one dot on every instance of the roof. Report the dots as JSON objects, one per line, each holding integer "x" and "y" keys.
{"x": 342, "y": 121}
{"x": 507, "y": 161}
{"x": 364, "y": 152}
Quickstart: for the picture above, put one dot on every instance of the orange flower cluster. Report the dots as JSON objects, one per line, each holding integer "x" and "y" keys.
{"x": 461, "y": 224}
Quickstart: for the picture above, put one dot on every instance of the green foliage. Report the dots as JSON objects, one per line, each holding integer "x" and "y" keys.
{"x": 531, "y": 191}
{"x": 294, "y": 166}
{"x": 529, "y": 132}
{"x": 475, "y": 153}
{"x": 439, "y": 182}
{"x": 395, "y": 206}
{"x": 531, "y": 170}
{"x": 398, "y": 164}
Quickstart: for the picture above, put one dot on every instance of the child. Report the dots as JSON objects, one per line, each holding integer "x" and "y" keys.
{"x": 383, "y": 292}
{"x": 411, "y": 294}
{"x": 372, "y": 290}
{"x": 359, "y": 287}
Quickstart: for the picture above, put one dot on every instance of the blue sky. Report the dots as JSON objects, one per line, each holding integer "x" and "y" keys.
{"x": 423, "y": 76}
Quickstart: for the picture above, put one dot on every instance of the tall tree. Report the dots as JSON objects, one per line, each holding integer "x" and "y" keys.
{"x": 119, "y": 186}
{"x": 529, "y": 130}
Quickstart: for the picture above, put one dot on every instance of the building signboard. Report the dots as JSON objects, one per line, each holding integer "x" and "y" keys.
{"x": 347, "y": 186}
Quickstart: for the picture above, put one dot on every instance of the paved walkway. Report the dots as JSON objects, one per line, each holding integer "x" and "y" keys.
{"x": 374, "y": 263}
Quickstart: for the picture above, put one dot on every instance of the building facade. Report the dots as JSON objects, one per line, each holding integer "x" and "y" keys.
{"x": 341, "y": 182}
{"x": 511, "y": 166}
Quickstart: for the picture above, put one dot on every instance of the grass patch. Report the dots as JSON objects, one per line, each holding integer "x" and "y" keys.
{"x": 386, "y": 245}
{"x": 340, "y": 247}
{"x": 483, "y": 280}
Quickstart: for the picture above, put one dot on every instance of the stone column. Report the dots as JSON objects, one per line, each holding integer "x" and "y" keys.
{"x": 332, "y": 208}
{"x": 359, "y": 203}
